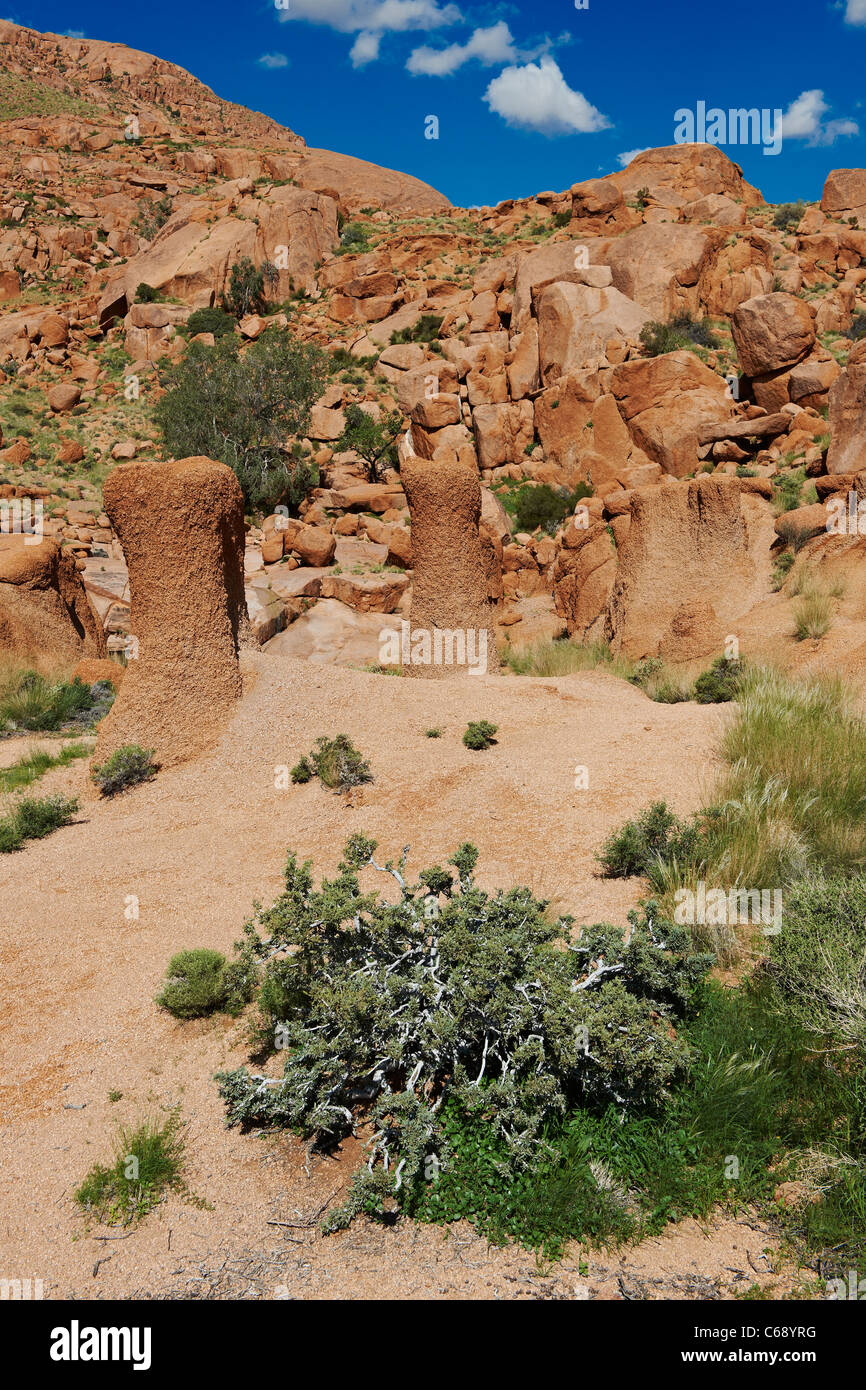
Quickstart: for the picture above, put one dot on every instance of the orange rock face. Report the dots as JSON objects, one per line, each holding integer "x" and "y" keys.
{"x": 43, "y": 607}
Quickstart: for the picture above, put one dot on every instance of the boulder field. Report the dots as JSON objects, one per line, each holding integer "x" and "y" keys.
{"x": 679, "y": 365}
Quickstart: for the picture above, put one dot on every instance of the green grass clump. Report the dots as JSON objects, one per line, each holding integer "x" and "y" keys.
{"x": 148, "y": 1162}
{"x": 34, "y": 765}
{"x": 30, "y": 701}
{"x": 21, "y": 96}
{"x": 479, "y": 735}
{"x": 813, "y": 614}
{"x": 127, "y": 767}
{"x": 33, "y": 819}
{"x": 201, "y": 982}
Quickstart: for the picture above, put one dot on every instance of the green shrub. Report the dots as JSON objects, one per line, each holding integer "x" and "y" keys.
{"x": 424, "y": 331}
{"x": 781, "y": 569}
{"x": 787, "y": 488}
{"x": 858, "y": 327}
{"x": 201, "y": 982}
{"x": 215, "y": 321}
{"x": 390, "y": 1014}
{"x": 788, "y": 216}
{"x": 353, "y": 239}
{"x": 248, "y": 286}
{"x": 151, "y": 218}
{"x": 721, "y": 683}
{"x": 479, "y": 735}
{"x": 538, "y": 504}
{"x": 373, "y": 440}
{"x": 336, "y": 763}
{"x": 148, "y": 1161}
{"x": 242, "y": 408}
{"x": 656, "y": 838}
{"x": 127, "y": 767}
{"x": 33, "y": 819}
{"x": 682, "y": 331}
{"x": 146, "y": 294}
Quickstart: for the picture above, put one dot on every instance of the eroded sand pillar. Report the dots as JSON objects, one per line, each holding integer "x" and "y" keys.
{"x": 181, "y": 526}
{"x": 451, "y": 611}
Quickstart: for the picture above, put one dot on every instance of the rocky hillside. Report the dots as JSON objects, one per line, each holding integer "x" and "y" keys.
{"x": 680, "y": 362}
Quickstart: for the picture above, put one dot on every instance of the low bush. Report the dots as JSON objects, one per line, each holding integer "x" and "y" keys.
{"x": 31, "y": 701}
{"x": 453, "y": 1001}
{"x": 721, "y": 683}
{"x": 788, "y": 216}
{"x": 215, "y": 321}
{"x": 813, "y": 614}
{"x": 480, "y": 735}
{"x": 424, "y": 331}
{"x": 336, "y": 763}
{"x": 657, "y": 837}
{"x": 682, "y": 331}
{"x": 202, "y": 982}
{"x": 33, "y": 819}
{"x": 127, "y": 766}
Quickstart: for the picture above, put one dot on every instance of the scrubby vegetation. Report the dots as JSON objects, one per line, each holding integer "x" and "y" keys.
{"x": 127, "y": 766}
{"x": 452, "y": 1006}
{"x": 681, "y": 331}
{"x": 480, "y": 735}
{"x": 373, "y": 440}
{"x": 202, "y": 982}
{"x": 31, "y": 701}
{"x": 242, "y": 408}
{"x": 336, "y": 763}
{"x": 33, "y": 819}
{"x": 533, "y": 505}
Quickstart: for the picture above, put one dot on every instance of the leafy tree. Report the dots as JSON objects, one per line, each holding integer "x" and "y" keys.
{"x": 243, "y": 407}
{"x": 248, "y": 286}
{"x": 373, "y": 440}
{"x": 215, "y": 321}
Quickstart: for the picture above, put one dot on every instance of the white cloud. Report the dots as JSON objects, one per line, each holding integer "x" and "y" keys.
{"x": 365, "y": 49}
{"x": 273, "y": 60}
{"x": 373, "y": 16}
{"x": 537, "y": 97}
{"x": 804, "y": 120}
{"x": 856, "y": 12}
{"x": 628, "y": 155}
{"x": 489, "y": 46}
{"x": 74, "y": 34}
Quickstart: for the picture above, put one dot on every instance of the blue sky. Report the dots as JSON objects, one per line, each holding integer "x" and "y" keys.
{"x": 527, "y": 97}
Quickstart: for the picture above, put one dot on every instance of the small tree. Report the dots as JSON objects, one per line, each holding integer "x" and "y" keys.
{"x": 373, "y": 440}
{"x": 248, "y": 286}
{"x": 243, "y": 408}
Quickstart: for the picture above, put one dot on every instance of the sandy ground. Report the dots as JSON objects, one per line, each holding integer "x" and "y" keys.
{"x": 92, "y": 914}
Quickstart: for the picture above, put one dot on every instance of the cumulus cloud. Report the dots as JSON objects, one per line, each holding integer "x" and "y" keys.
{"x": 373, "y": 16}
{"x": 365, "y": 49}
{"x": 804, "y": 120}
{"x": 489, "y": 46}
{"x": 536, "y": 96}
{"x": 628, "y": 155}
{"x": 273, "y": 60}
{"x": 855, "y": 12}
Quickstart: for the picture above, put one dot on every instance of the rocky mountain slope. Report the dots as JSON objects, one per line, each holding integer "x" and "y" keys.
{"x": 661, "y": 339}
